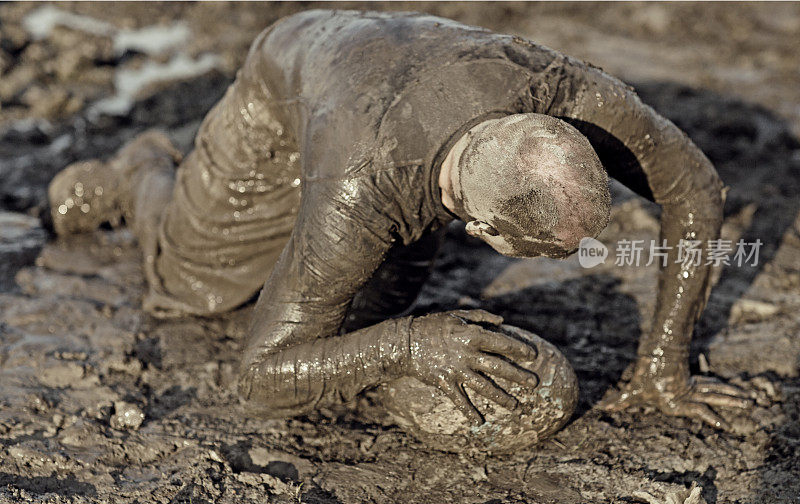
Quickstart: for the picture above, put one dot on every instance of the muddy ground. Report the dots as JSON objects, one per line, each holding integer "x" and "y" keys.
{"x": 101, "y": 403}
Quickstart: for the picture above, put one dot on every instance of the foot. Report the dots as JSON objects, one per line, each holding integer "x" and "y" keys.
{"x": 83, "y": 196}
{"x": 680, "y": 395}
{"x": 86, "y": 194}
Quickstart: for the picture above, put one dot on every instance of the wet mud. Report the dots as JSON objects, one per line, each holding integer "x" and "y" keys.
{"x": 101, "y": 403}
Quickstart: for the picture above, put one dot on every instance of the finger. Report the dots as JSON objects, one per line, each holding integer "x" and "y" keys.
{"x": 479, "y": 316}
{"x": 617, "y": 401}
{"x": 460, "y": 400}
{"x": 724, "y": 400}
{"x": 499, "y": 368}
{"x": 612, "y": 402}
{"x": 700, "y": 412}
{"x": 490, "y": 390}
{"x": 719, "y": 388}
{"x": 609, "y": 402}
{"x": 501, "y": 344}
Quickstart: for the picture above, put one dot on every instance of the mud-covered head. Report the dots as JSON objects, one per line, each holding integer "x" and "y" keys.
{"x": 529, "y": 185}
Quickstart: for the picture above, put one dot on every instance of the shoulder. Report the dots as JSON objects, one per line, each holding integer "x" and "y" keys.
{"x": 343, "y": 24}
{"x": 348, "y": 28}
{"x": 394, "y": 202}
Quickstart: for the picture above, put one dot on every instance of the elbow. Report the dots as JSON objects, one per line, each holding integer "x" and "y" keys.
{"x": 708, "y": 185}
{"x": 256, "y": 403}
{"x": 702, "y": 205}
{"x": 711, "y": 195}
{"x": 700, "y": 191}
{"x": 264, "y": 395}
{"x": 244, "y": 385}
{"x": 256, "y": 397}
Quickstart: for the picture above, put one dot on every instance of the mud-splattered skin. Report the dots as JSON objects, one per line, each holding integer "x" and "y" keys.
{"x": 532, "y": 182}
{"x": 355, "y": 112}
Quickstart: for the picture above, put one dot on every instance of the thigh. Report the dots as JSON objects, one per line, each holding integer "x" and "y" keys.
{"x": 232, "y": 210}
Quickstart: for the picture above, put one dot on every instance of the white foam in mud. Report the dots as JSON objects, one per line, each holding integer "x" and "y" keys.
{"x": 40, "y": 22}
{"x": 129, "y": 82}
{"x": 153, "y": 40}
{"x": 149, "y": 40}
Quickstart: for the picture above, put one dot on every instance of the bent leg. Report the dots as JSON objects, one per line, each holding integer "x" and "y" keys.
{"x": 232, "y": 210}
{"x": 151, "y": 193}
{"x": 212, "y": 233}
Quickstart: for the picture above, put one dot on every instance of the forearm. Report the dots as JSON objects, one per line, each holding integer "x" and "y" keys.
{"x": 327, "y": 371}
{"x": 692, "y": 196}
{"x": 683, "y": 286}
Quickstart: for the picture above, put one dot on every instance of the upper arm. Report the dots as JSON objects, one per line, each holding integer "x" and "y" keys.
{"x": 638, "y": 147}
{"x": 339, "y": 240}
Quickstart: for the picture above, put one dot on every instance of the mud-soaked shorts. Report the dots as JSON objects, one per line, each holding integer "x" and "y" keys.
{"x": 234, "y": 205}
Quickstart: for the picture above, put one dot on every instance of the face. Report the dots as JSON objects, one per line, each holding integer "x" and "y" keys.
{"x": 516, "y": 245}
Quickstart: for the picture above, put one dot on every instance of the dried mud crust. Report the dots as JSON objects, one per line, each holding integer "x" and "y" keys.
{"x": 100, "y": 403}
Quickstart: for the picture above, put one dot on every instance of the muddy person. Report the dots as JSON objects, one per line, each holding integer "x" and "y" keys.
{"x": 324, "y": 178}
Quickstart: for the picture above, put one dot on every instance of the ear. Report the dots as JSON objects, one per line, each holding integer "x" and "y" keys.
{"x": 479, "y": 229}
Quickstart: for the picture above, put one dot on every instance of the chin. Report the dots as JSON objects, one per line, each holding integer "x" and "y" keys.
{"x": 561, "y": 255}
{"x": 511, "y": 253}
{"x": 521, "y": 255}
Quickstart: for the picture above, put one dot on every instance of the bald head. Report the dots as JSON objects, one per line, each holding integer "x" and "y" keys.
{"x": 528, "y": 184}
